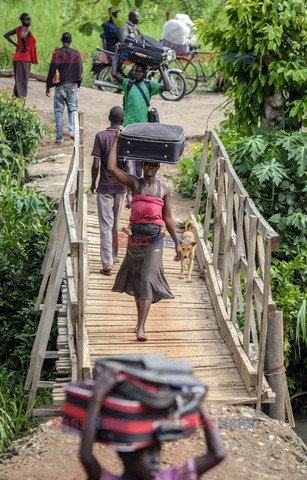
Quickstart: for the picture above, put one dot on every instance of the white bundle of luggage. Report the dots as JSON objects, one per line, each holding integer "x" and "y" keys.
{"x": 178, "y": 33}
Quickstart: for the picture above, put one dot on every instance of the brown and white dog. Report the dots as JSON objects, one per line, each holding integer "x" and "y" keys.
{"x": 188, "y": 246}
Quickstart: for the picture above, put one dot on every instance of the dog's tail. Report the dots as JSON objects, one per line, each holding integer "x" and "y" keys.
{"x": 189, "y": 226}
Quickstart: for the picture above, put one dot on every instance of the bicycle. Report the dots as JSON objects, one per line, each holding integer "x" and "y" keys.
{"x": 102, "y": 64}
{"x": 187, "y": 64}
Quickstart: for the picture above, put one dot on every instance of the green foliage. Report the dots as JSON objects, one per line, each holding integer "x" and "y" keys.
{"x": 276, "y": 33}
{"x": 21, "y": 126}
{"x": 25, "y": 227}
{"x": 288, "y": 279}
{"x": 83, "y": 19}
{"x": 187, "y": 180}
{"x": 271, "y": 164}
{"x": 25, "y": 224}
{"x": 14, "y": 417}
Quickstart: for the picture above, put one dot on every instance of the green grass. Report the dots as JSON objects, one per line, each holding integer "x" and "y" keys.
{"x": 47, "y": 27}
{"x": 48, "y": 24}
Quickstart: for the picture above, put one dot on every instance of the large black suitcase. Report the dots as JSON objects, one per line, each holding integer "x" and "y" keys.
{"x": 142, "y": 49}
{"x": 154, "y": 142}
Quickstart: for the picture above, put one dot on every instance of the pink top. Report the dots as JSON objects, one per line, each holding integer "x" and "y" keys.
{"x": 146, "y": 209}
{"x": 187, "y": 471}
{"x": 30, "y": 54}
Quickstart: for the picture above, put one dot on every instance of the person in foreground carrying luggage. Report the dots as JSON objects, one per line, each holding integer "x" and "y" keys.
{"x": 144, "y": 464}
{"x": 141, "y": 273}
{"x": 136, "y": 109}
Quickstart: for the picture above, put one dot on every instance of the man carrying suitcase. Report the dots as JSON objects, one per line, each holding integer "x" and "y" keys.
{"x": 135, "y": 91}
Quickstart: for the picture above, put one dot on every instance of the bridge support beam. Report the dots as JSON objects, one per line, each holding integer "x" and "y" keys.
{"x": 274, "y": 365}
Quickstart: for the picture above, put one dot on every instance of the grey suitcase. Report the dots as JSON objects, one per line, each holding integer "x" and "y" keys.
{"x": 152, "y": 142}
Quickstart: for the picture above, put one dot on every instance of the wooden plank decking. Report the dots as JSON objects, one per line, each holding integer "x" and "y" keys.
{"x": 184, "y": 327}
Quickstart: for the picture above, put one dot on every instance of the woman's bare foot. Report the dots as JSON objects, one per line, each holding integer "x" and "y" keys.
{"x": 140, "y": 336}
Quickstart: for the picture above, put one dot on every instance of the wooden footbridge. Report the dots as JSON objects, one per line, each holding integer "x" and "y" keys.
{"x": 225, "y": 322}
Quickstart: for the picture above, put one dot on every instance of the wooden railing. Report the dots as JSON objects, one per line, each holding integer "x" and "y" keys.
{"x": 235, "y": 246}
{"x": 65, "y": 273}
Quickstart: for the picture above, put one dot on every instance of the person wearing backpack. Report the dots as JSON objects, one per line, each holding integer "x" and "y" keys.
{"x": 136, "y": 91}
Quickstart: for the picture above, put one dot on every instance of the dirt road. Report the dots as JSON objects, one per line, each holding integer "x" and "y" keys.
{"x": 191, "y": 113}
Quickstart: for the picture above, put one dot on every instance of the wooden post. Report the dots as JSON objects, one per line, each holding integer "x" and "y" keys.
{"x": 227, "y": 244}
{"x": 274, "y": 365}
{"x": 81, "y": 140}
{"x": 237, "y": 259}
{"x": 218, "y": 214}
{"x": 264, "y": 321}
{"x": 249, "y": 282}
{"x": 202, "y": 171}
{"x": 211, "y": 190}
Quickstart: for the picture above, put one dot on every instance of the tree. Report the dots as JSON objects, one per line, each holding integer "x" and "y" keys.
{"x": 90, "y": 14}
{"x": 272, "y": 88}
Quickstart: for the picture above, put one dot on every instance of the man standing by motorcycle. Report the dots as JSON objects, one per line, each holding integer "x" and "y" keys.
{"x": 130, "y": 27}
{"x": 110, "y": 35}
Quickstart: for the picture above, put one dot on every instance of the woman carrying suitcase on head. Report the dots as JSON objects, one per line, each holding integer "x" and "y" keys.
{"x": 141, "y": 273}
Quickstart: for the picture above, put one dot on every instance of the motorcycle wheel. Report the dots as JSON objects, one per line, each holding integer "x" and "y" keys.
{"x": 104, "y": 75}
{"x": 178, "y": 87}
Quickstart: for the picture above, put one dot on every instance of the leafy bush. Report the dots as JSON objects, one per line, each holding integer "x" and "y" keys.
{"x": 21, "y": 125}
{"x": 25, "y": 226}
{"x": 25, "y": 223}
{"x": 14, "y": 419}
{"x": 271, "y": 164}
{"x": 186, "y": 182}
{"x": 275, "y": 32}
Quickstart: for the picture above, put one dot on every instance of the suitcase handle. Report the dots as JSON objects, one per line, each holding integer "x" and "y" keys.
{"x": 151, "y": 399}
{"x": 142, "y": 55}
{"x": 192, "y": 404}
{"x": 167, "y": 431}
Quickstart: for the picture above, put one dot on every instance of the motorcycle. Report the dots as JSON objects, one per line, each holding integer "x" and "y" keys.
{"x": 102, "y": 64}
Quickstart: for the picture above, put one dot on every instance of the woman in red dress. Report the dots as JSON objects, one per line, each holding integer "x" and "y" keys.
{"x": 25, "y": 54}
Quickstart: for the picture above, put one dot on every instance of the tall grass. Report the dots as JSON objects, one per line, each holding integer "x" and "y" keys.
{"x": 14, "y": 416}
{"x": 49, "y": 21}
{"x": 48, "y": 25}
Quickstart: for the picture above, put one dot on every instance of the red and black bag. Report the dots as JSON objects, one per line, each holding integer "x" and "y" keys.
{"x": 155, "y": 399}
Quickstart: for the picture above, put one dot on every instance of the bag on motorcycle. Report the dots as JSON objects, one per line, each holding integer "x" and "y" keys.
{"x": 155, "y": 142}
{"x": 155, "y": 399}
{"x": 142, "y": 49}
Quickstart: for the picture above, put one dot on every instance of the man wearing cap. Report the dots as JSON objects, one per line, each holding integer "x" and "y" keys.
{"x": 130, "y": 27}
{"x": 110, "y": 35}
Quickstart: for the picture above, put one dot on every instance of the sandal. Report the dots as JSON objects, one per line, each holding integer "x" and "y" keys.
{"x": 106, "y": 271}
